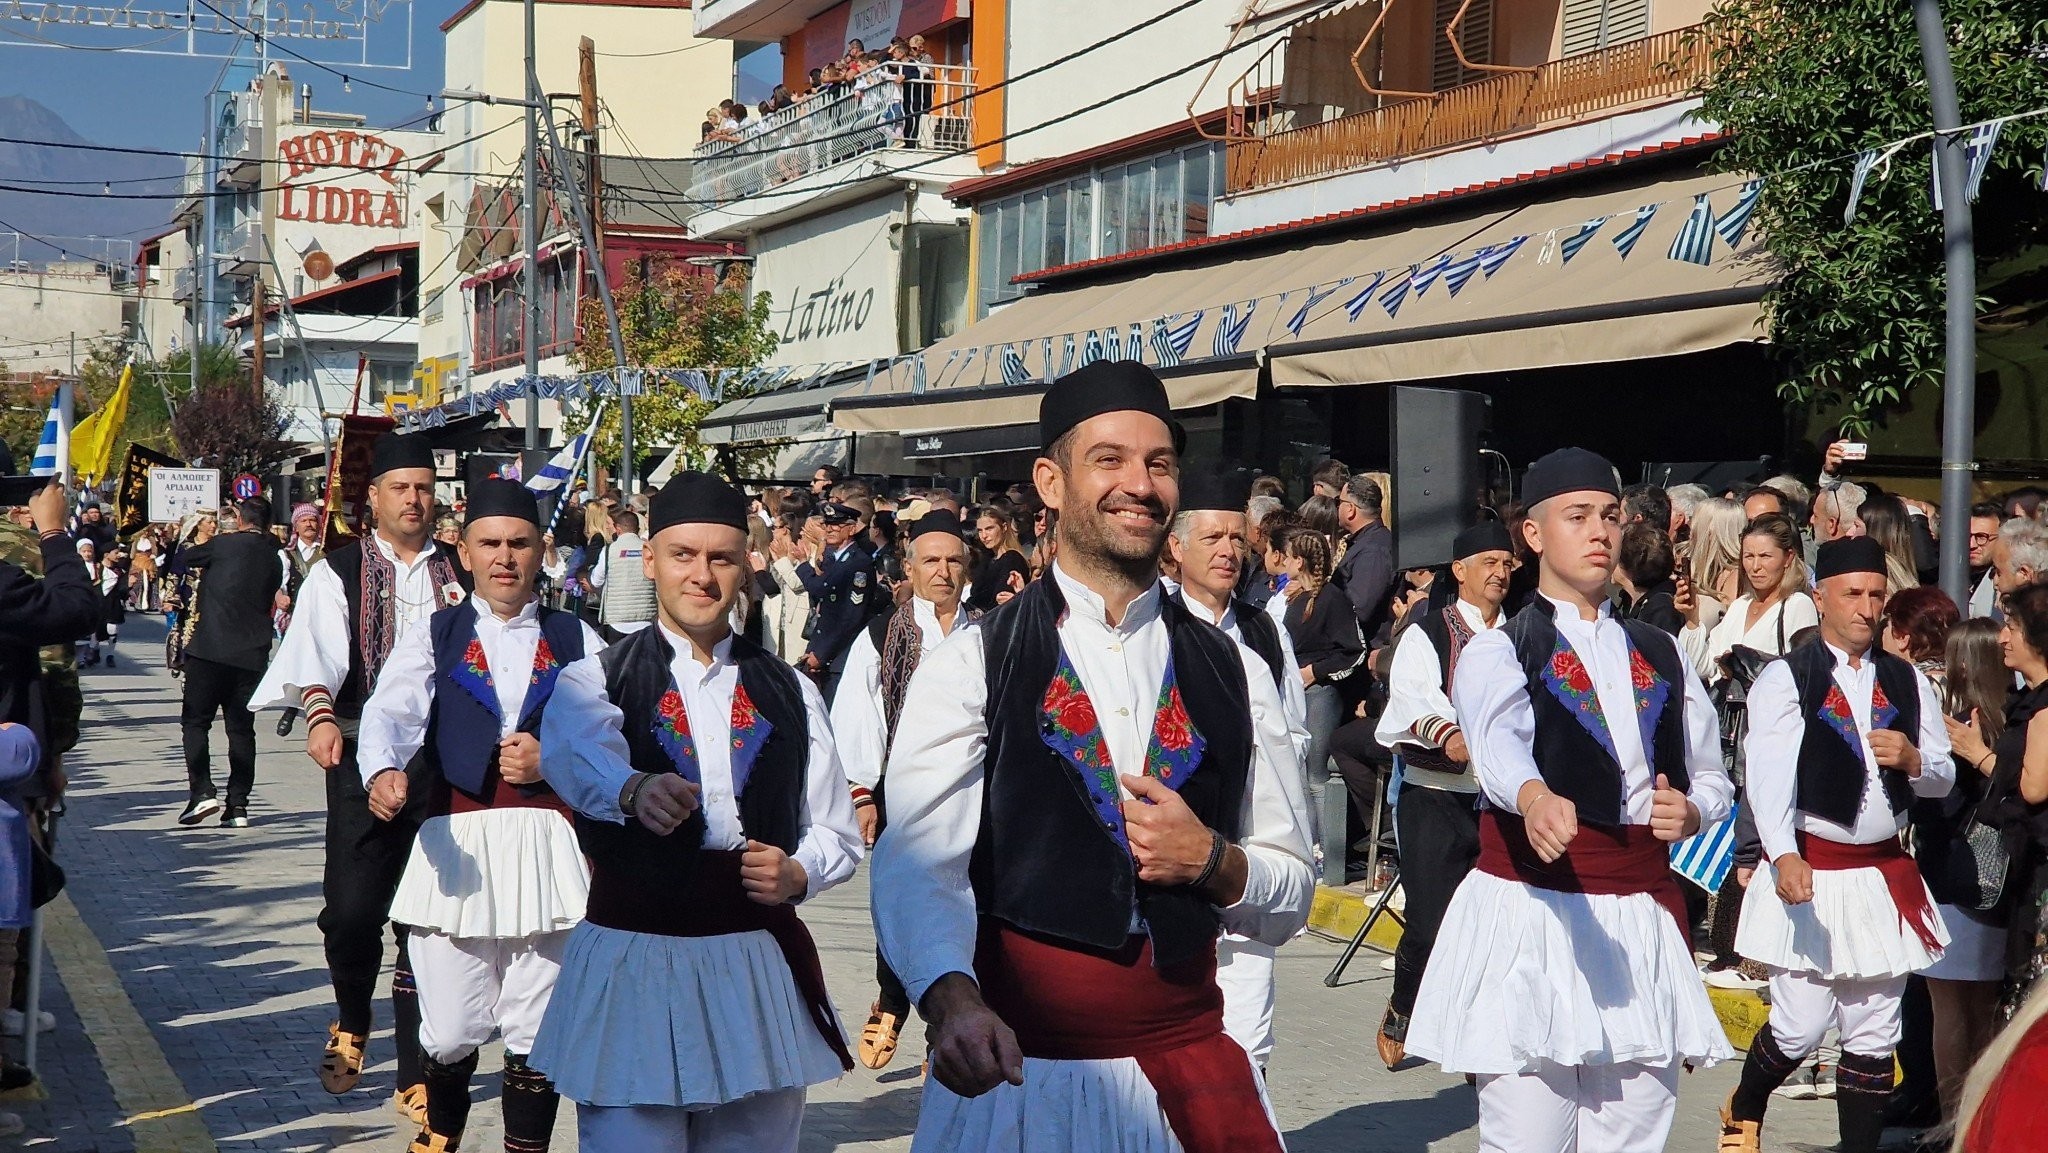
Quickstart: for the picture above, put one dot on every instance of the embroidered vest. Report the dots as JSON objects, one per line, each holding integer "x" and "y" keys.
{"x": 1048, "y": 858}
{"x": 768, "y": 771}
{"x": 1447, "y": 632}
{"x": 1831, "y": 766}
{"x": 463, "y": 733}
{"x": 347, "y": 563}
{"x": 1572, "y": 749}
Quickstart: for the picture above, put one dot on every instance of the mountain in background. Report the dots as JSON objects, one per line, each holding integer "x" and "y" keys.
{"x": 52, "y": 160}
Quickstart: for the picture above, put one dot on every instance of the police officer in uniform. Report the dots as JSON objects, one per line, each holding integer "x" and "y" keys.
{"x": 839, "y": 575}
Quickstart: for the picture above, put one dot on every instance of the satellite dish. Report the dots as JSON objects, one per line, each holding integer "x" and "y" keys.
{"x": 318, "y": 265}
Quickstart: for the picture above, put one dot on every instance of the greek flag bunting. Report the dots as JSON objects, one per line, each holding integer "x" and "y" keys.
{"x": 1316, "y": 295}
{"x": 967, "y": 359}
{"x": 1977, "y": 148}
{"x": 1181, "y": 333}
{"x": 1067, "y": 355}
{"x": 1461, "y": 271}
{"x": 1013, "y": 366}
{"x": 1735, "y": 221}
{"x": 1091, "y": 348}
{"x": 917, "y": 375}
{"x": 1045, "y": 359}
{"x": 1163, "y": 352}
{"x": 1494, "y": 257}
{"x": 45, "y": 463}
{"x": 1357, "y": 303}
{"x": 1112, "y": 343}
{"x": 1135, "y": 342}
{"x": 1695, "y": 240}
{"x": 1570, "y": 245}
{"x": 1392, "y": 298}
{"x": 1625, "y": 240}
{"x": 1705, "y": 857}
{"x": 1426, "y": 276}
{"x": 1230, "y": 331}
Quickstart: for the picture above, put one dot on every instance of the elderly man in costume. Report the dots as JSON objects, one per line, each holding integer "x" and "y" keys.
{"x": 691, "y": 1010}
{"x": 878, "y": 670}
{"x": 1561, "y": 977}
{"x": 496, "y": 880}
{"x": 1842, "y": 737}
{"x": 353, "y": 606}
{"x": 1437, "y": 815}
{"x": 1087, "y": 787}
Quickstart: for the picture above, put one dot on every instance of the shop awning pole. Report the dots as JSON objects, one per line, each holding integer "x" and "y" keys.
{"x": 1959, "y": 376}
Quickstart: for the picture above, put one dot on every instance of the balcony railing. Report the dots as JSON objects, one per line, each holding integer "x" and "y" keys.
{"x": 241, "y": 251}
{"x": 933, "y": 113}
{"x": 182, "y": 285}
{"x": 1586, "y": 86}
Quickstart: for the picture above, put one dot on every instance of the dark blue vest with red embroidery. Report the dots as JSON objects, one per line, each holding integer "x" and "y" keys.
{"x": 1831, "y": 766}
{"x": 1574, "y": 749}
{"x": 1051, "y": 857}
{"x": 464, "y": 732}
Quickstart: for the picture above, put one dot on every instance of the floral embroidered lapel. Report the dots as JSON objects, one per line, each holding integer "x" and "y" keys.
{"x": 473, "y": 674}
{"x": 1069, "y": 726}
{"x": 1568, "y": 679}
{"x": 749, "y": 732}
{"x": 1837, "y": 715}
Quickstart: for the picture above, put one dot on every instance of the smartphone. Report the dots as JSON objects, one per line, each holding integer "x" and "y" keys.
{"x": 1854, "y": 450}
{"x": 16, "y": 490}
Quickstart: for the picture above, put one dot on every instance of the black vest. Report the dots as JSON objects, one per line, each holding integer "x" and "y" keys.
{"x": 1831, "y": 771}
{"x": 462, "y": 734}
{"x": 1574, "y": 764}
{"x": 347, "y": 563}
{"x": 636, "y": 676}
{"x": 1042, "y": 862}
{"x": 1261, "y": 636}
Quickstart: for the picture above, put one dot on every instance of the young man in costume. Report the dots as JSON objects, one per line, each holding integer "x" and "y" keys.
{"x": 878, "y": 670}
{"x": 495, "y": 881}
{"x": 1087, "y": 787}
{"x": 691, "y": 1012}
{"x": 1842, "y": 737}
{"x": 352, "y": 607}
{"x": 1437, "y": 814}
{"x": 1561, "y": 976}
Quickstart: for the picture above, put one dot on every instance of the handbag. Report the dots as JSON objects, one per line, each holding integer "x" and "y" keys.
{"x": 45, "y": 876}
{"x": 1993, "y": 857}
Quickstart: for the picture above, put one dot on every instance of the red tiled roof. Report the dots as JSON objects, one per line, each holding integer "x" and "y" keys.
{"x": 1267, "y": 231}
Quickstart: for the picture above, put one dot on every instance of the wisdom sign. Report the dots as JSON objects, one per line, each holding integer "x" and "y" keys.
{"x": 359, "y": 33}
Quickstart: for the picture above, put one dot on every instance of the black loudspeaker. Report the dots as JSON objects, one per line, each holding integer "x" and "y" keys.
{"x": 1437, "y": 471}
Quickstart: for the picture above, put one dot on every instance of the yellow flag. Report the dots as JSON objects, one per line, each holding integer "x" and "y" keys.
{"x": 92, "y": 441}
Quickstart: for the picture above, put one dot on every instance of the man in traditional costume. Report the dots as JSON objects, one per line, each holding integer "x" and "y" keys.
{"x": 1436, "y": 817}
{"x": 496, "y": 880}
{"x": 878, "y": 669}
{"x": 1087, "y": 786}
{"x": 353, "y": 606}
{"x": 691, "y": 1010}
{"x": 1561, "y": 976}
{"x": 1842, "y": 737}
{"x": 1207, "y": 543}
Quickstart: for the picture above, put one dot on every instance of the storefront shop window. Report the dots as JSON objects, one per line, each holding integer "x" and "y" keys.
{"x": 500, "y": 315}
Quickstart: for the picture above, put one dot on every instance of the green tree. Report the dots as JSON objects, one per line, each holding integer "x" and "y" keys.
{"x": 1803, "y": 85}
{"x": 228, "y": 423}
{"x": 679, "y": 318}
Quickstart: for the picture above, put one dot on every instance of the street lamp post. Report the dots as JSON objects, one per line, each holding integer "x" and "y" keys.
{"x": 531, "y": 225}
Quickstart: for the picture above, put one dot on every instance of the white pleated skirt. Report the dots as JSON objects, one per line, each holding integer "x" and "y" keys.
{"x": 1103, "y": 1106}
{"x": 686, "y": 1022}
{"x": 1851, "y": 930}
{"x": 496, "y": 873}
{"x": 1976, "y": 952}
{"x": 1522, "y": 975}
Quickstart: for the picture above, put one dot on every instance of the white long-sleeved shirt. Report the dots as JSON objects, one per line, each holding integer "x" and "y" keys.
{"x": 860, "y": 727}
{"x": 1416, "y": 698}
{"x": 1499, "y": 721}
{"x": 1771, "y": 758}
{"x": 1784, "y": 619}
{"x": 923, "y": 902}
{"x": 1293, "y": 695}
{"x": 316, "y": 647}
{"x": 395, "y": 717}
{"x": 584, "y": 757}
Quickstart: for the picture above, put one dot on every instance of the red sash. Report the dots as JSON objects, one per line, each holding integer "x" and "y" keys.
{"x": 711, "y": 903}
{"x": 1612, "y": 862}
{"x": 1066, "y": 1004}
{"x": 1889, "y": 858}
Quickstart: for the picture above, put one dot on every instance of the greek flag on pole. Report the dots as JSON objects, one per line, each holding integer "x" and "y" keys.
{"x": 1570, "y": 245}
{"x": 45, "y": 463}
{"x": 1625, "y": 240}
{"x": 1695, "y": 240}
{"x": 1705, "y": 857}
{"x": 1356, "y": 305}
{"x": 561, "y": 466}
{"x": 1231, "y": 330}
{"x": 1735, "y": 221}
{"x": 1013, "y": 366}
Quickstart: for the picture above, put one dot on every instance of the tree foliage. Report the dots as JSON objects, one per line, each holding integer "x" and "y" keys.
{"x": 678, "y": 318}
{"x": 1804, "y": 85}
{"x": 231, "y": 424}
{"x": 25, "y": 404}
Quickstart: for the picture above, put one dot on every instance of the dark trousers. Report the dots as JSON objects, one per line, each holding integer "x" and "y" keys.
{"x": 210, "y": 687}
{"x": 365, "y": 858}
{"x": 1439, "y": 832}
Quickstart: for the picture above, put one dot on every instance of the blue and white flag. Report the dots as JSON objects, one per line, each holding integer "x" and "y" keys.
{"x": 1427, "y": 274}
{"x": 1570, "y": 245}
{"x": 1625, "y": 240}
{"x": 1091, "y": 348}
{"x": 1363, "y": 297}
{"x": 1495, "y": 257}
{"x": 1865, "y": 161}
{"x": 1461, "y": 271}
{"x": 1180, "y": 336}
{"x": 1112, "y": 343}
{"x": 1230, "y": 330}
{"x": 1067, "y": 355}
{"x": 45, "y": 463}
{"x": 1316, "y": 295}
{"x": 1392, "y": 298}
{"x": 1977, "y": 149}
{"x": 1013, "y": 366}
{"x": 1734, "y": 222}
{"x": 917, "y": 375}
{"x": 562, "y": 466}
{"x": 1134, "y": 342}
{"x": 1705, "y": 857}
{"x": 1694, "y": 243}
{"x": 1045, "y": 358}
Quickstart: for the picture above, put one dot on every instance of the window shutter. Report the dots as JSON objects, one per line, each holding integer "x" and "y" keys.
{"x": 1591, "y": 24}
{"x": 1475, "y": 35}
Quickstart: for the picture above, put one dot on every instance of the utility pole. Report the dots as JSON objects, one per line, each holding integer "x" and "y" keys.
{"x": 593, "y": 201}
{"x": 1959, "y": 377}
{"x": 256, "y": 327}
{"x": 531, "y": 224}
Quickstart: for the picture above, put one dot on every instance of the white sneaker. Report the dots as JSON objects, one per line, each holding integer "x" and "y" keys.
{"x": 12, "y": 1020}
{"x": 1732, "y": 979}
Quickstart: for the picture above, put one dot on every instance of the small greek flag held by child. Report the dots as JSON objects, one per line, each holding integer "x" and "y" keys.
{"x": 1705, "y": 857}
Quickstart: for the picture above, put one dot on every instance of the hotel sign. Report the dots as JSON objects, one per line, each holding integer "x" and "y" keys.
{"x": 317, "y": 163}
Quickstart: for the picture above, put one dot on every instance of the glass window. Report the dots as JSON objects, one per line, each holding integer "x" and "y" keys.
{"x": 1166, "y": 199}
{"x": 1081, "y": 219}
{"x": 1031, "y": 235}
{"x": 1011, "y": 224}
{"x": 1112, "y": 229}
{"x": 1196, "y": 193}
{"x": 1137, "y": 206}
{"x": 1056, "y": 225}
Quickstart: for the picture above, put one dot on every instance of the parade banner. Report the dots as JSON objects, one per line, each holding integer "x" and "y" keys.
{"x": 348, "y": 476}
{"x": 176, "y": 493}
{"x": 131, "y": 495}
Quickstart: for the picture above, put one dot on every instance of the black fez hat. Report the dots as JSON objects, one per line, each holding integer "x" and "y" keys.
{"x": 937, "y": 520}
{"x": 400, "y": 450}
{"x": 692, "y": 497}
{"x": 499, "y": 497}
{"x": 1850, "y": 554}
{"x": 1486, "y": 536}
{"x": 1209, "y": 487}
{"x": 832, "y": 512}
{"x": 1568, "y": 470}
{"x": 1098, "y": 387}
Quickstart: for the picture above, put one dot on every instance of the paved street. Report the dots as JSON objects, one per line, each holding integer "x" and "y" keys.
{"x": 191, "y": 995}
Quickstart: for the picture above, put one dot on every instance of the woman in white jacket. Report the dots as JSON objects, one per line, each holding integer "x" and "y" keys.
{"x": 783, "y": 614}
{"x": 1774, "y": 604}
{"x": 1713, "y": 569}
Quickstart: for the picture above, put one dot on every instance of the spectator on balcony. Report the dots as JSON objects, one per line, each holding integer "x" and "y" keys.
{"x": 855, "y": 50}
{"x": 918, "y": 71}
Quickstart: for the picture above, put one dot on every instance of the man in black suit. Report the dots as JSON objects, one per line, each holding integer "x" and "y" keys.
{"x": 224, "y": 660}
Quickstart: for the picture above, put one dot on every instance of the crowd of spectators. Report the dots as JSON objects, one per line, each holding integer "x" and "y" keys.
{"x": 891, "y": 87}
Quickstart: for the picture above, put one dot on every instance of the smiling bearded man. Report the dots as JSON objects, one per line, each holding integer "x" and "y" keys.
{"x": 1086, "y": 787}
